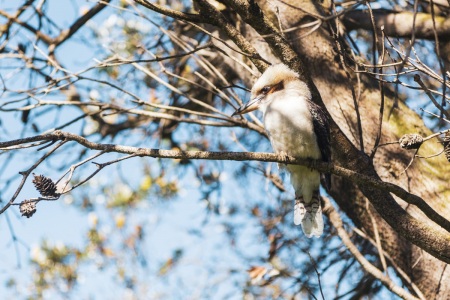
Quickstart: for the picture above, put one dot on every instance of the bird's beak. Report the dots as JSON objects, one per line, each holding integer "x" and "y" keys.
{"x": 249, "y": 106}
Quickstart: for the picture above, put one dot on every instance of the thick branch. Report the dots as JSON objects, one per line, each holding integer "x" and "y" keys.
{"x": 435, "y": 242}
{"x": 399, "y": 24}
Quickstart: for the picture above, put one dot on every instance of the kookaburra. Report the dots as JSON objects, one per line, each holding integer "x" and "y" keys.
{"x": 297, "y": 127}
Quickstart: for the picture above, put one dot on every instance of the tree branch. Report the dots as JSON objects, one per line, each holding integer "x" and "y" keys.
{"x": 437, "y": 243}
{"x": 221, "y": 22}
{"x": 66, "y": 34}
{"x": 196, "y": 18}
{"x": 399, "y": 24}
{"x": 39, "y": 34}
{"x": 254, "y": 16}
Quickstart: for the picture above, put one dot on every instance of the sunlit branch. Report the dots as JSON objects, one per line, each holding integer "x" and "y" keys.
{"x": 232, "y": 32}
{"x": 399, "y": 24}
{"x": 173, "y": 13}
{"x": 100, "y": 166}
{"x": 241, "y": 156}
{"x": 118, "y": 61}
{"x": 73, "y": 168}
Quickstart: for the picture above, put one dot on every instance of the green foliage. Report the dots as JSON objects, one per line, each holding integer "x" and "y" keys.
{"x": 55, "y": 266}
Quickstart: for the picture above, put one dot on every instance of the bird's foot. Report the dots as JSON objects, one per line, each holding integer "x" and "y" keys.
{"x": 312, "y": 164}
{"x": 284, "y": 156}
{"x": 315, "y": 204}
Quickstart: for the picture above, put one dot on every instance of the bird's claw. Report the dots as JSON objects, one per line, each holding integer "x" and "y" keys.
{"x": 284, "y": 156}
{"x": 313, "y": 165}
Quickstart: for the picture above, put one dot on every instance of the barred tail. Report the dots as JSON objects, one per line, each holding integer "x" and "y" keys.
{"x": 309, "y": 215}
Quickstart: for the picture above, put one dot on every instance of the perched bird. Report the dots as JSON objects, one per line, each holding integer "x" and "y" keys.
{"x": 297, "y": 127}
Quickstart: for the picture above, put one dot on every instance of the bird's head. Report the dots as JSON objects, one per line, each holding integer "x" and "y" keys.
{"x": 275, "y": 80}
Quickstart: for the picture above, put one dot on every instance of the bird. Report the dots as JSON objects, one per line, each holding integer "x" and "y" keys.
{"x": 297, "y": 127}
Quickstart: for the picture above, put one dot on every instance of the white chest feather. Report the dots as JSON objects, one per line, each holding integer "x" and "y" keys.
{"x": 290, "y": 127}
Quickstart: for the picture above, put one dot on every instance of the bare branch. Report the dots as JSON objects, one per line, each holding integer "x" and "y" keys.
{"x": 335, "y": 219}
{"x": 427, "y": 91}
{"x": 39, "y": 34}
{"x": 66, "y": 34}
{"x": 196, "y": 18}
{"x": 232, "y": 32}
{"x": 399, "y": 24}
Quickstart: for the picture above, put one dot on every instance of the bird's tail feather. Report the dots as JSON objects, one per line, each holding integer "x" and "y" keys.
{"x": 309, "y": 215}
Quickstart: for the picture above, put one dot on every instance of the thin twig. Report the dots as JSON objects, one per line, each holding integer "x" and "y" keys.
{"x": 26, "y": 173}
{"x": 427, "y": 91}
{"x": 197, "y": 18}
{"x": 410, "y": 162}
{"x": 377, "y": 238}
{"x": 337, "y": 40}
{"x": 313, "y": 262}
{"x": 100, "y": 167}
{"x": 381, "y": 86}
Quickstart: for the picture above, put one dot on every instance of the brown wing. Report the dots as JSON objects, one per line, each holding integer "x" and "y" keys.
{"x": 322, "y": 131}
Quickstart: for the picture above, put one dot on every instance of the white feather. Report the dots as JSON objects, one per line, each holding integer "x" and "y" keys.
{"x": 289, "y": 123}
{"x": 290, "y": 127}
{"x": 299, "y": 212}
{"x": 312, "y": 223}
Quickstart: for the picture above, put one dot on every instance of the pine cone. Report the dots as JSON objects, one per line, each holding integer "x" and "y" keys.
{"x": 27, "y": 208}
{"x": 411, "y": 141}
{"x": 45, "y": 186}
{"x": 446, "y": 144}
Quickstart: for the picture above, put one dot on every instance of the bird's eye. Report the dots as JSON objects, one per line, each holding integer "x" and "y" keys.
{"x": 265, "y": 89}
